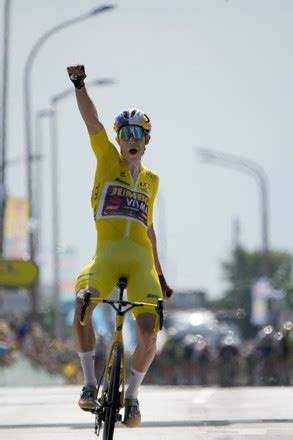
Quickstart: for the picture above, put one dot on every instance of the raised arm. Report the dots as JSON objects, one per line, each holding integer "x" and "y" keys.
{"x": 86, "y": 106}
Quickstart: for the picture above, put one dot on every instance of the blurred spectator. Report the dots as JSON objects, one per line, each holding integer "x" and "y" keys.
{"x": 286, "y": 352}
{"x": 266, "y": 356}
{"x": 7, "y": 344}
{"x": 228, "y": 360}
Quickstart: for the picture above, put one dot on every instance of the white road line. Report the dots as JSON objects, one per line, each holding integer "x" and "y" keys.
{"x": 202, "y": 396}
{"x": 225, "y": 432}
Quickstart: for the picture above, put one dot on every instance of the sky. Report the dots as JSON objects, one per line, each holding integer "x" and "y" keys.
{"x": 209, "y": 73}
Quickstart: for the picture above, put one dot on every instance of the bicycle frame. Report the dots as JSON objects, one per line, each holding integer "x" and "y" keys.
{"x": 121, "y": 307}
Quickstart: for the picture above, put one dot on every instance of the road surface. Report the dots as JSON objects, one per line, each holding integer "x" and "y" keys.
{"x": 169, "y": 413}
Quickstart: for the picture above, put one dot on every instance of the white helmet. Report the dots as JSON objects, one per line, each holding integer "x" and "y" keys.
{"x": 132, "y": 116}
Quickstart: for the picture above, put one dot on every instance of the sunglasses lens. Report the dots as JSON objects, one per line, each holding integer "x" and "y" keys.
{"x": 125, "y": 133}
{"x": 137, "y": 132}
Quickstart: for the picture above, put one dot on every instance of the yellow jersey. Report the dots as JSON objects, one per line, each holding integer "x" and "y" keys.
{"x": 122, "y": 208}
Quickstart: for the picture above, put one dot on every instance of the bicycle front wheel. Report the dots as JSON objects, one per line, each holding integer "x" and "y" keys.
{"x": 112, "y": 399}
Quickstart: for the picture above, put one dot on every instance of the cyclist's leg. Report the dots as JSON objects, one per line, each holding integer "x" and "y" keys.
{"x": 99, "y": 278}
{"x": 143, "y": 285}
{"x": 95, "y": 277}
{"x": 146, "y": 345}
{"x": 143, "y": 356}
{"x": 85, "y": 342}
{"x": 84, "y": 336}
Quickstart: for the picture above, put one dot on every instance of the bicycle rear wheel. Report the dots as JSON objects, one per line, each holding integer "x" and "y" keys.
{"x": 112, "y": 398}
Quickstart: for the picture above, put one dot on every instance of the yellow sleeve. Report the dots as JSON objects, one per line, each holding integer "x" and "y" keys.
{"x": 152, "y": 199}
{"x": 103, "y": 149}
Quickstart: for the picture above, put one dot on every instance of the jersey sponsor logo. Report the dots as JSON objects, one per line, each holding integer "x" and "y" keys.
{"x": 118, "y": 201}
{"x": 144, "y": 186}
{"x": 121, "y": 181}
{"x": 150, "y": 175}
{"x": 152, "y": 295}
{"x": 96, "y": 192}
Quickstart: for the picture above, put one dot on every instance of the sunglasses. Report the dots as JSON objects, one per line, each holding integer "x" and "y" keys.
{"x": 125, "y": 132}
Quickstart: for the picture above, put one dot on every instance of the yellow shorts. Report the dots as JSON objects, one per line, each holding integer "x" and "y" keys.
{"x": 123, "y": 258}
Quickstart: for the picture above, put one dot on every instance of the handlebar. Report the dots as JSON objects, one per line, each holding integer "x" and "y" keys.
{"x": 114, "y": 303}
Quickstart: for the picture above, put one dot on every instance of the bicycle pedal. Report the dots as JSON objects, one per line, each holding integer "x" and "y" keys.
{"x": 97, "y": 410}
{"x": 88, "y": 410}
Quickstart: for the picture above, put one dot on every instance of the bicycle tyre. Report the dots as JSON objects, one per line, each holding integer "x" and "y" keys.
{"x": 112, "y": 400}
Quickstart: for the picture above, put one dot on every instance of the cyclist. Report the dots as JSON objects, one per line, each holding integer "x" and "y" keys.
{"x": 122, "y": 201}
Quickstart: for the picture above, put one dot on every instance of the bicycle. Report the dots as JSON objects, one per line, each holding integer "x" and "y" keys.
{"x": 110, "y": 400}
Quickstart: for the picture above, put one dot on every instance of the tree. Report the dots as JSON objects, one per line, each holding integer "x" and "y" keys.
{"x": 241, "y": 270}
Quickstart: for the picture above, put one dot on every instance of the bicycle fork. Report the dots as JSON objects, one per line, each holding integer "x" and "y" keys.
{"x": 117, "y": 340}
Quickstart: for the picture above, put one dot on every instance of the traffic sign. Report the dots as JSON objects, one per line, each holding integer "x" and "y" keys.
{"x": 18, "y": 273}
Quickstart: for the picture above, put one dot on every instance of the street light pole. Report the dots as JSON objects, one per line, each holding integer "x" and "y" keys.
{"x": 6, "y": 28}
{"x": 254, "y": 169}
{"x": 38, "y": 179}
{"x": 55, "y": 220}
{"x": 27, "y": 100}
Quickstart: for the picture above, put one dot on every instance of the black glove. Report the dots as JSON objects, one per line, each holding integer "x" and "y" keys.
{"x": 167, "y": 291}
{"x": 78, "y": 80}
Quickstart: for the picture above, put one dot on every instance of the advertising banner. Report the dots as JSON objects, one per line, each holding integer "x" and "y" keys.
{"x": 262, "y": 291}
{"x": 16, "y": 228}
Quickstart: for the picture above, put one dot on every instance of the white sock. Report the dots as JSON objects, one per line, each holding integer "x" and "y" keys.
{"x": 87, "y": 360}
{"x": 136, "y": 378}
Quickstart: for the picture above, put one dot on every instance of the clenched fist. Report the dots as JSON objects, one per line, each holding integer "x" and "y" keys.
{"x": 77, "y": 75}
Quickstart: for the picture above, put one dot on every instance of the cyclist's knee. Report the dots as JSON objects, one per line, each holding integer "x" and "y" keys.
{"x": 146, "y": 328}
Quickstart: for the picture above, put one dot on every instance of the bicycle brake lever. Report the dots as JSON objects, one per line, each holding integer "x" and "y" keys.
{"x": 160, "y": 308}
{"x": 86, "y": 302}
